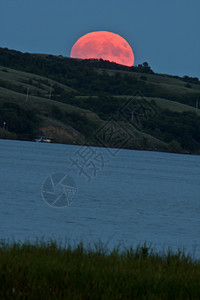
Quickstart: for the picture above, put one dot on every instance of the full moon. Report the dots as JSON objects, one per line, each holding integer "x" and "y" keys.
{"x": 105, "y": 45}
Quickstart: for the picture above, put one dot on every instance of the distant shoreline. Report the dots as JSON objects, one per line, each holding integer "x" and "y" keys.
{"x": 99, "y": 146}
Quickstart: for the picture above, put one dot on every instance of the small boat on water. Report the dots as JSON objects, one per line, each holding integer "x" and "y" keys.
{"x": 43, "y": 139}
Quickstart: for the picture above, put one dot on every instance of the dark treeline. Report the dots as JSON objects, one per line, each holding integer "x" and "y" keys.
{"x": 79, "y": 75}
{"x": 82, "y": 75}
{"x": 18, "y": 120}
{"x": 184, "y": 128}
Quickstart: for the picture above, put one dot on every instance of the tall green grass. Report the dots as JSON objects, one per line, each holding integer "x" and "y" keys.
{"x": 45, "y": 270}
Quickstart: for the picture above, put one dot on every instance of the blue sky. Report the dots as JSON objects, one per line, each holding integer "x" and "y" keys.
{"x": 166, "y": 34}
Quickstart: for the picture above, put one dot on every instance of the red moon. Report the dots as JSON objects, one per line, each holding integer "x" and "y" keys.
{"x": 103, "y": 44}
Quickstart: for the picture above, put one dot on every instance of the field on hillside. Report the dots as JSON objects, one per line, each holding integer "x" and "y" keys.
{"x": 70, "y": 100}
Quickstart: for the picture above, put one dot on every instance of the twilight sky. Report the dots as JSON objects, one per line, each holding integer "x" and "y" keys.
{"x": 166, "y": 34}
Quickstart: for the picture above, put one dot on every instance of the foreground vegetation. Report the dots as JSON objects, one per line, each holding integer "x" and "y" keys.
{"x": 48, "y": 271}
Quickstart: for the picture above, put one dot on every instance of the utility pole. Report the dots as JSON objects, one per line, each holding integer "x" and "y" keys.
{"x": 50, "y": 92}
{"x": 197, "y": 104}
{"x": 132, "y": 114}
{"x": 27, "y": 94}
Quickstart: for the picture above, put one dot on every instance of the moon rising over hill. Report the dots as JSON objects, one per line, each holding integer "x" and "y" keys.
{"x": 105, "y": 45}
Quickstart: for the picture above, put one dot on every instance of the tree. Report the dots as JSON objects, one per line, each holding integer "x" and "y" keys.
{"x": 145, "y": 65}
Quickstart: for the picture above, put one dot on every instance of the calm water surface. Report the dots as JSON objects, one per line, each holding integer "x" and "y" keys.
{"x": 135, "y": 196}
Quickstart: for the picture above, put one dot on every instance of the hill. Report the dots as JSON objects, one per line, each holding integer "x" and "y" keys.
{"x": 96, "y": 102}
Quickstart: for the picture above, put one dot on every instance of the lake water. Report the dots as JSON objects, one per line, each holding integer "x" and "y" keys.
{"x": 124, "y": 196}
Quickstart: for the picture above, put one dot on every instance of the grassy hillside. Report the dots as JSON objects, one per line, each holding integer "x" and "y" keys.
{"x": 97, "y": 102}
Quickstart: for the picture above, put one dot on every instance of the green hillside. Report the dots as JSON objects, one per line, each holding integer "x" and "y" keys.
{"x": 98, "y": 103}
